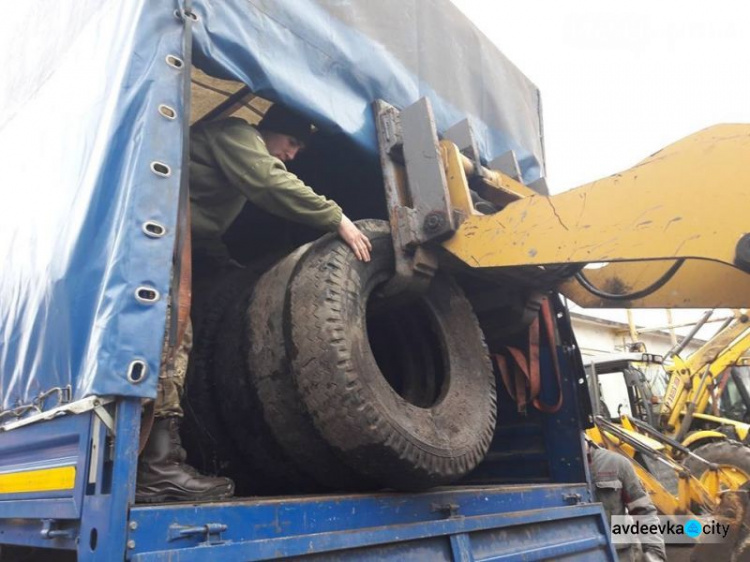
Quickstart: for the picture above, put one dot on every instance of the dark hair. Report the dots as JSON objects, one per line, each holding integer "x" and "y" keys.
{"x": 286, "y": 121}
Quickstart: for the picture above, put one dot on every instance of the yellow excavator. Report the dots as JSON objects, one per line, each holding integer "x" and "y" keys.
{"x": 696, "y": 385}
{"x": 645, "y": 255}
{"x": 706, "y": 452}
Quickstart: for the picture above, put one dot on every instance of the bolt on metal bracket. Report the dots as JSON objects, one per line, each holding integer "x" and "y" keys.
{"x": 49, "y": 531}
{"x": 210, "y": 532}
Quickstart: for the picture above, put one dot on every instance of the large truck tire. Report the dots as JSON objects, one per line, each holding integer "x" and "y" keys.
{"x": 733, "y": 459}
{"x": 734, "y": 511}
{"x": 404, "y": 394}
{"x": 246, "y": 399}
{"x": 204, "y": 435}
{"x": 273, "y": 385}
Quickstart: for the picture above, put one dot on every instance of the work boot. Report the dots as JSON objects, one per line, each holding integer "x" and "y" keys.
{"x": 164, "y": 476}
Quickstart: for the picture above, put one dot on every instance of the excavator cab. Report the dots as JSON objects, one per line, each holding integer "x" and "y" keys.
{"x": 620, "y": 385}
{"x": 734, "y": 398}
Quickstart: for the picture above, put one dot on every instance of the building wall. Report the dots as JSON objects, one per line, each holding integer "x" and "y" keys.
{"x": 599, "y": 337}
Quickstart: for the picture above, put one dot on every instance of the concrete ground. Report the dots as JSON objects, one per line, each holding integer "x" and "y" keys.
{"x": 679, "y": 553}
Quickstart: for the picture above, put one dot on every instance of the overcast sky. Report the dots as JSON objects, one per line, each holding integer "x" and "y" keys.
{"x": 620, "y": 80}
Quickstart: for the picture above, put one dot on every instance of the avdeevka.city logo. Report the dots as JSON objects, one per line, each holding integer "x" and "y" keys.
{"x": 694, "y": 529}
{"x": 674, "y": 529}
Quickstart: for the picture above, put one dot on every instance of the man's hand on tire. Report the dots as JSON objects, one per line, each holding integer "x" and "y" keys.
{"x": 355, "y": 239}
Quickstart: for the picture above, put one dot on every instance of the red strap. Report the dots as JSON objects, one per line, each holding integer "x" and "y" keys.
{"x": 515, "y": 386}
{"x": 526, "y": 374}
{"x": 549, "y": 326}
{"x": 532, "y": 373}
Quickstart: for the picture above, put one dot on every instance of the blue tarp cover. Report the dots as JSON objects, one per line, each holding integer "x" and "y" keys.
{"x": 80, "y": 130}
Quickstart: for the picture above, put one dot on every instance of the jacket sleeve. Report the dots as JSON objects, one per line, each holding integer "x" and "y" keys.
{"x": 264, "y": 180}
{"x": 639, "y": 503}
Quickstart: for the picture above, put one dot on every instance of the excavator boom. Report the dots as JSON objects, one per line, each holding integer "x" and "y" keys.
{"x": 672, "y": 230}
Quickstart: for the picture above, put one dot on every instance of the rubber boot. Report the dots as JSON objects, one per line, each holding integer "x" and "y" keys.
{"x": 163, "y": 475}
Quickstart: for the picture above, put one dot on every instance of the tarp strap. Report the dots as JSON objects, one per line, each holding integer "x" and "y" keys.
{"x": 523, "y": 379}
{"x": 182, "y": 267}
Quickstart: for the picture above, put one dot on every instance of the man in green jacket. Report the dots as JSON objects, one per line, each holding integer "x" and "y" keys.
{"x": 231, "y": 162}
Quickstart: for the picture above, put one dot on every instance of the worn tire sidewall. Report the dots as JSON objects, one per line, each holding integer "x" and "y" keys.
{"x": 725, "y": 452}
{"x": 442, "y": 441}
{"x": 272, "y": 382}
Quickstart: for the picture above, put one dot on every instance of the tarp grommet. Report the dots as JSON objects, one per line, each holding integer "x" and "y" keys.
{"x": 167, "y": 111}
{"x": 175, "y": 62}
{"x": 153, "y": 229}
{"x": 146, "y": 295}
{"x": 161, "y": 169}
{"x": 137, "y": 371}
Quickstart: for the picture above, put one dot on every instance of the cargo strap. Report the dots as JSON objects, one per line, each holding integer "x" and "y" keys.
{"x": 524, "y": 383}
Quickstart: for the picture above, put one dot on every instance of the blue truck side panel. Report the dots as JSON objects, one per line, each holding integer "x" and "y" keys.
{"x": 62, "y": 442}
{"x": 91, "y": 517}
{"x": 552, "y": 520}
{"x": 485, "y": 524}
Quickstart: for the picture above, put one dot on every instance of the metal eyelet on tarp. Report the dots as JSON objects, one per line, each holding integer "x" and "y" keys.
{"x": 146, "y": 295}
{"x": 167, "y": 111}
{"x": 161, "y": 169}
{"x": 137, "y": 371}
{"x": 175, "y": 62}
{"x": 154, "y": 229}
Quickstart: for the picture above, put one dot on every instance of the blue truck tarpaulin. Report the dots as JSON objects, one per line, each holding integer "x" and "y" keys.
{"x": 81, "y": 136}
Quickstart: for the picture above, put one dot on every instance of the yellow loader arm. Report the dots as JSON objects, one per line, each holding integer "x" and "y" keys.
{"x": 672, "y": 228}
{"x": 627, "y": 441}
{"x": 741, "y": 428}
{"x": 691, "y": 380}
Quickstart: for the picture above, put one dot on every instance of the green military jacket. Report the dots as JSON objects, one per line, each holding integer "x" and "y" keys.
{"x": 230, "y": 165}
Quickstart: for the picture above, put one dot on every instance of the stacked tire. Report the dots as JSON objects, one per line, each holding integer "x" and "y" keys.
{"x": 319, "y": 382}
